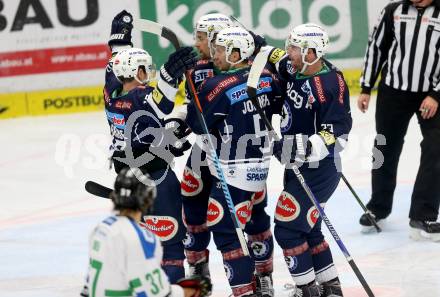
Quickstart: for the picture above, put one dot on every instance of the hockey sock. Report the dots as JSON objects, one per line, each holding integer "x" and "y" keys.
{"x": 196, "y": 242}
{"x": 261, "y": 247}
{"x": 172, "y": 261}
{"x": 239, "y": 271}
{"x": 300, "y": 264}
{"x": 325, "y": 270}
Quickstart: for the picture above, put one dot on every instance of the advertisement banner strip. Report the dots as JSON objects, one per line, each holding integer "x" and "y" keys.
{"x": 54, "y": 60}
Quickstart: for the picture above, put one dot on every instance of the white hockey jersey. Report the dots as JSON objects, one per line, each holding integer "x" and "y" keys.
{"x": 125, "y": 261}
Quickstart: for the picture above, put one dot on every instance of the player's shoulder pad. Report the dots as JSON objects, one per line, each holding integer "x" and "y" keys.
{"x": 330, "y": 86}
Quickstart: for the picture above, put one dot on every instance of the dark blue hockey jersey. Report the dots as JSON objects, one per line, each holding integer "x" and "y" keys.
{"x": 240, "y": 135}
{"x": 136, "y": 119}
{"x": 317, "y": 106}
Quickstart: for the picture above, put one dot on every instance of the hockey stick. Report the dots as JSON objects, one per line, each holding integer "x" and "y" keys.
{"x": 256, "y": 69}
{"x": 158, "y": 29}
{"x": 98, "y": 190}
{"x": 367, "y": 212}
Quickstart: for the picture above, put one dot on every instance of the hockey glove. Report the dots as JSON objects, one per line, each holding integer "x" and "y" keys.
{"x": 259, "y": 42}
{"x": 201, "y": 284}
{"x": 178, "y": 62}
{"x": 122, "y": 25}
{"x": 292, "y": 147}
{"x": 179, "y": 128}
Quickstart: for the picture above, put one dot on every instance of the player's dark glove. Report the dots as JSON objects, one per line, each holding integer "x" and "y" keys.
{"x": 178, "y": 62}
{"x": 122, "y": 25}
{"x": 201, "y": 284}
{"x": 259, "y": 42}
{"x": 181, "y": 130}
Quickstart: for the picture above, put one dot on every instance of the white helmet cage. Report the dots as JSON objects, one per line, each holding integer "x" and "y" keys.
{"x": 211, "y": 24}
{"x": 127, "y": 62}
{"x": 309, "y": 36}
{"x": 236, "y": 38}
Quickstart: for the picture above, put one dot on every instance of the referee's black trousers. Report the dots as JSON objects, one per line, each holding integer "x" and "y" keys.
{"x": 394, "y": 110}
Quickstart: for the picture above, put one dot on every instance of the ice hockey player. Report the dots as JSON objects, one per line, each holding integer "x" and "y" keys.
{"x": 315, "y": 125}
{"x": 196, "y": 183}
{"x": 135, "y": 113}
{"x": 124, "y": 259}
{"x": 241, "y": 141}
{"x": 166, "y": 220}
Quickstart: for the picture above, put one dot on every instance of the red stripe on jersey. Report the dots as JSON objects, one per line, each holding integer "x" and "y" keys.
{"x": 319, "y": 89}
{"x": 341, "y": 88}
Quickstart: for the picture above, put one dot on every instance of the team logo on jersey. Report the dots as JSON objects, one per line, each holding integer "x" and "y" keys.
{"x": 191, "y": 184}
{"x": 312, "y": 216}
{"x": 229, "y": 271}
{"x": 260, "y": 249}
{"x": 238, "y": 93}
{"x": 201, "y": 75}
{"x": 164, "y": 227}
{"x": 188, "y": 241}
{"x": 243, "y": 211}
{"x": 288, "y": 208}
{"x": 258, "y": 197}
{"x": 292, "y": 262}
{"x": 215, "y": 212}
{"x": 286, "y": 118}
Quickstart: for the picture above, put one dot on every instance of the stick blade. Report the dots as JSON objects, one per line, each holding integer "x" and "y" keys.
{"x": 148, "y": 26}
{"x": 98, "y": 190}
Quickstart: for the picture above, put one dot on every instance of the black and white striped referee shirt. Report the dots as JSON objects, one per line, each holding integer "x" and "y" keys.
{"x": 405, "y": 43}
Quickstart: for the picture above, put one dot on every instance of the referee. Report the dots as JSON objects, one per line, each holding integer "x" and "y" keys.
{"x": 405, "y": 46}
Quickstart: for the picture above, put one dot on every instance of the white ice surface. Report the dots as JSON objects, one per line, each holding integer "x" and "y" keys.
{"x": 46, "y": 216}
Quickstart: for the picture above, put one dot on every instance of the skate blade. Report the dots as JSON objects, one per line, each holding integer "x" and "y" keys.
{"x": 420, "y": 235}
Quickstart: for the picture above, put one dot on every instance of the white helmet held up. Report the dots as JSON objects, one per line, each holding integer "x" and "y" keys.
{"x": 236, "y": 38}
{"x": 127, "y": 62}
{"x": 211, "y": 24}
{"x": 309, "y": 36}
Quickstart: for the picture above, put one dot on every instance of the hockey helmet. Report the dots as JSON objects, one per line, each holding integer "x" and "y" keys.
{"x": 127, "y": 62}
{"x": 134, "y": 190}
{"x": 309, "y": 36}
{"x": 211, "y": 24}
{"x": 236, "y": 38}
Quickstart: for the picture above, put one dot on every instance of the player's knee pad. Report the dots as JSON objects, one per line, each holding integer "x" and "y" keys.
{"x": 197, "y": 237}
{"x": 261, "y": 248}
{"x": 287, "y": 238}
{"x": 172, "y": 261}
{"x": 259, "y": 222}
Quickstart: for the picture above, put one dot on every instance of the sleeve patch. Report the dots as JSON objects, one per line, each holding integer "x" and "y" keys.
{"x": 157, "y": 95}
{"x": 319, "y": 89}
{"x": 276, "y": 55}
{"x": 328, "y": 137}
